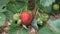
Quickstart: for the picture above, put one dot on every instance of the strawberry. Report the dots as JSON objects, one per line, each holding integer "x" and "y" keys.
{"x": 26, "y": 18}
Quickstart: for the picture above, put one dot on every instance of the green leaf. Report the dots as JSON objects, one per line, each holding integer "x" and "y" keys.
{"x": 54, "y": 25}
{"x": 45, "y": 30}
{"x": 9, "y": 14}
{"x": 23, "y": 0}
{"x": 24, "y": 31}
{"x": 13, "y": 28}
{"x": 18, "y": 30}
{"x": 3, "y": 3}
{"x": 46, "y": 5}
{"x": 16, "y": 7}
{"x": 2, "y": 19}
{"x": 15, "y": 32}
{"x": 1, "y": 9}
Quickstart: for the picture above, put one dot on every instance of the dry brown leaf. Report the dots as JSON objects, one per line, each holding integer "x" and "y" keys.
{"x": 32, "y": 30}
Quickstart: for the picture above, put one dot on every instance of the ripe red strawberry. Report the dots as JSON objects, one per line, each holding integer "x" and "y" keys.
{"x": 26, "y": 18}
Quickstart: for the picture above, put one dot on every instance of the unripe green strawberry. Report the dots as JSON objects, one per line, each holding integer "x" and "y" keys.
{"x": 45, "y": 17}
{"x": 16, "y": 16}
{"x": 56, "y": 7}
{"x": 40, "y": 22}
{"x": 19, "y": 21}
{"x": 26, "y": 18}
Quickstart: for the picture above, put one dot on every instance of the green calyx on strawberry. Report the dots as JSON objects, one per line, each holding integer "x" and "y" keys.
{"x": 27, "y": 18}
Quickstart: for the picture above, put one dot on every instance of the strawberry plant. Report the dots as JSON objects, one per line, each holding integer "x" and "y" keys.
{"x": 29, "y": 16}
